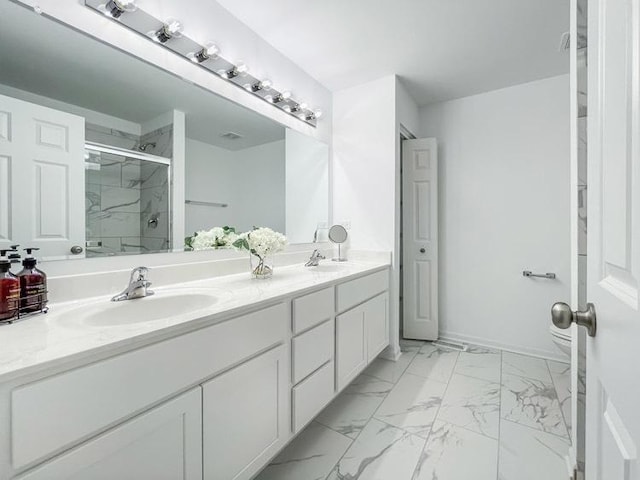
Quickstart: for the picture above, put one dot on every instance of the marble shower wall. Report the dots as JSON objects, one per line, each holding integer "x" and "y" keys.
{"x": 155, "y": 218}
{"x": 122, "y": 195}
{"x": 112, "y": 201}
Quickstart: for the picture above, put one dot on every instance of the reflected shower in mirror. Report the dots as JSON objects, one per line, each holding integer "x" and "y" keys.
{"x": 85, "y": 124}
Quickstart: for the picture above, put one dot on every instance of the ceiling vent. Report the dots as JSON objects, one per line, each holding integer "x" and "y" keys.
{"x": 231, "y": 136}
{"x": 565, "y": 42}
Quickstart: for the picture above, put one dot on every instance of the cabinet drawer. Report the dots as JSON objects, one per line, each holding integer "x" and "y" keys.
{"x": 50, "y": 414}
{"x": 357, "y": 291}
{"x": 312, "y": 395}
{"x": 313, "y": 309}
{"x": 312, "y": 349}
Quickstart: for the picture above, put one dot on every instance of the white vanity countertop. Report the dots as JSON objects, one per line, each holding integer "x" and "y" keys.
{"x": 58, "y": 338}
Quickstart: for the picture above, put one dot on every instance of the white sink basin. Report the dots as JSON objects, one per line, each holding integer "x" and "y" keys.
{"x": 155, "y": 307}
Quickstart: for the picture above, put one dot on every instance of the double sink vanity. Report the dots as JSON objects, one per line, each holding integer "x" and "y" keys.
{"x": 208, "y": 379}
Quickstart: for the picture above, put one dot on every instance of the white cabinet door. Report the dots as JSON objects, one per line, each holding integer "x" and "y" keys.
{"x": 246, "y": 416}
{"x": 41, "y": 177}
{"x": 351, "y": 347}
{"x": 165, "y": 443}
{"x": 376, "y": 317}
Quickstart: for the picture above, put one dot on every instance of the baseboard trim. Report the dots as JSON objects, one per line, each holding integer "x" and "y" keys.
{"x": 484, "y": 342}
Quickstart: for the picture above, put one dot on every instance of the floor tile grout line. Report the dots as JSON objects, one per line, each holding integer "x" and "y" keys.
{"x": 435, "y": 418}
{"x": 529, "y": 427}
{"x": 555, "y": 387}
{"x": 365, "y": 425}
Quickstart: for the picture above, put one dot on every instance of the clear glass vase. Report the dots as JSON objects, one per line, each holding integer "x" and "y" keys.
{"x": 261, "y": 267}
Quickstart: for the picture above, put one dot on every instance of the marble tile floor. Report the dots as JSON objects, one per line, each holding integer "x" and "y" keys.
{"x": 439, "y": 414}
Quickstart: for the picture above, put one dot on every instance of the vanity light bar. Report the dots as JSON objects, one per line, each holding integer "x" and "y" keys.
{"x": 169, "y": 34}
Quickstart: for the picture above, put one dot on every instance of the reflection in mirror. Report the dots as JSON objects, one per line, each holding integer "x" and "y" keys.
{"x": 127, "y": 201}
{"x": 93, "y": 143}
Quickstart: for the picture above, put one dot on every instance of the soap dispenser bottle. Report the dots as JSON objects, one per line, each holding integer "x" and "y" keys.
{"x": 33, "y": 284}
{"x": 9, "y": 289}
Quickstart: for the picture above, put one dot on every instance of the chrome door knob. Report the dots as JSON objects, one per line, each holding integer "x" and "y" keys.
{"x": 563, "y": 317}
{"x": 423, "y": 250}
{"x": 77, "y": 249}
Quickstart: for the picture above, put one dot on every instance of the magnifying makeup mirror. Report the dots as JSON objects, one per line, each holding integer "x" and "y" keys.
{"x": 338, "y": 234}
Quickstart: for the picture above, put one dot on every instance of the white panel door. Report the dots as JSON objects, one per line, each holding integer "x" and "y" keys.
{"x": 613, "y": 273}
{"x": 246, "y": 417}
{"x": 420, "y": 238}
{"x": 164, "y": 443}
{"x": 41, "y": 177}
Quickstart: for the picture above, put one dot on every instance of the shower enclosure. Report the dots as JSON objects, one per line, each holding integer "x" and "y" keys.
{"x": 127, "y": 198}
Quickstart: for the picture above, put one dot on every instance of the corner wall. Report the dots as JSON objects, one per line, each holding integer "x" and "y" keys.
{"x": 366, "y": 172}
{"x": 504, "y": 208}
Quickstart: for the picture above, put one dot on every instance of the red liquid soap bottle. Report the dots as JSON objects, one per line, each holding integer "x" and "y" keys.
{"x": 9, "y": 290}
{"x": 33, "y": 285}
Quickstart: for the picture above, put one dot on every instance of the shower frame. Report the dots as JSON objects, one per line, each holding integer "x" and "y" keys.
{"x": 147, "y": 157}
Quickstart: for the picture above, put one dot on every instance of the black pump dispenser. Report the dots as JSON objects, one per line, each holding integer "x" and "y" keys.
{"x": 33, "y": 284}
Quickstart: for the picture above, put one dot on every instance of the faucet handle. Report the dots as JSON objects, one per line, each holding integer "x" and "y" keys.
{"x": 139, "y": 274}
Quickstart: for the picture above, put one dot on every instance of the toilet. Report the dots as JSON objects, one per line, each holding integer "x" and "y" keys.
{"x": 562, "y": 338}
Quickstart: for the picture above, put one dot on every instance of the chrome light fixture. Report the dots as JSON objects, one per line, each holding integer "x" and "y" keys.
{"x": 209, "y": 51}
{"x": 170, "y": 35}
{"x": 172, "y": 28}
{"x": 115, "y": 8}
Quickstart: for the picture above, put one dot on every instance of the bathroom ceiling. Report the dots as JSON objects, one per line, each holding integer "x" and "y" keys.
{"x": 65, "y": 65}
{"x": 441, "y": 49}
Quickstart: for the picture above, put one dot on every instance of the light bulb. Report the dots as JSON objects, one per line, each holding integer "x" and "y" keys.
{"x": 266, "y": 84}
{"x": 262, "y": 85}
{"x": 210, "y": 50}
{"x": 281, "y": 97}
{"x": 303, "y": 106}
{"x": 115, "y": 8}
{"x": 174, "y": 27}
{"x": 171, "y": 29}
{"x": 241, "y": 68}
{"x": 317, "y": 113}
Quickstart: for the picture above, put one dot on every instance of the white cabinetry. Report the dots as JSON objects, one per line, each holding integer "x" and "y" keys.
{"x": 363, "y": 331}
{"x": 351, "y": 347}
{"x": 261, "y": 378}
{"x": 245, "y": 417}
{"x": 376, "y": 318}
{"x": 164, "y": 443}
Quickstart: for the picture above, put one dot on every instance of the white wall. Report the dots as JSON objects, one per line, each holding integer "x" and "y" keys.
{"x": 251, "y": 181}
{"x": 365, "y": 167}
{"x": 504, "y": 208}
{"x": 206, "y": 20}
{"x": 307, "y": 186}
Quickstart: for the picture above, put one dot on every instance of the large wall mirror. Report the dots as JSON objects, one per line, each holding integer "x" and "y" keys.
{"x": 96, "y": 146}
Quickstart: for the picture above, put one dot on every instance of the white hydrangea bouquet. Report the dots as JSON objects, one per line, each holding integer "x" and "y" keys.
{"x": 262, "y": 243}
{"x": 216, "y": 237}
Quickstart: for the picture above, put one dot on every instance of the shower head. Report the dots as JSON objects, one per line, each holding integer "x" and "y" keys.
{"x": 144, "y": 146}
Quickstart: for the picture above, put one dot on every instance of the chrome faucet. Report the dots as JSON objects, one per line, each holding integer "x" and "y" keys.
{"x": 315, "y": 258}
{"x": 138, "y": 286}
